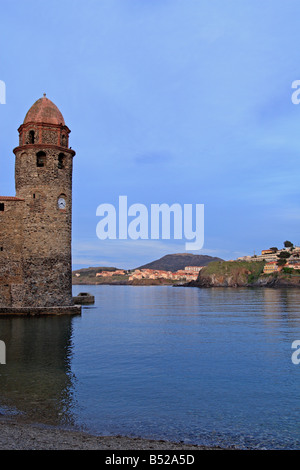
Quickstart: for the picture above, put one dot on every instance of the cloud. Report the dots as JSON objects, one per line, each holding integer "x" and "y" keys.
{"x": 153, "y": 158}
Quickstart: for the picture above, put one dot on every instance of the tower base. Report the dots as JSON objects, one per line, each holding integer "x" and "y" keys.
{"x": 39, "y": 311}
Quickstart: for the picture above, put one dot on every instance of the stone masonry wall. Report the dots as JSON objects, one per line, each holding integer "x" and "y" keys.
{"x": 46, "y": 229}
{"x": 35, "y": 233}
{"x": 11, "y": 245}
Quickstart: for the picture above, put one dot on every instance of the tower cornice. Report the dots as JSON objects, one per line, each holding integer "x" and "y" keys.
{"x": 44, "y": 146}
{"x": 43, "y": 125}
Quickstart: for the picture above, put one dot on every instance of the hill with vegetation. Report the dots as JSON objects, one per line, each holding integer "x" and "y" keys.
{"x": 244, "y": 274}
{"x": 230, "y": 274}
{"x": 92, "y": 271}
{"x": 179, "y": 261}
{"x": 87, "y": 276}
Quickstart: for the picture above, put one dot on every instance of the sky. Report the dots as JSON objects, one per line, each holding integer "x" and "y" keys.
{"x": 168, "y": 101}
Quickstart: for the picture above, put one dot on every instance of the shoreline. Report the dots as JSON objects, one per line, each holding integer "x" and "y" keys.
{"x": 150, "y": 282}
{"x": 263, "y": 282}
{"x": 17, "y": 435}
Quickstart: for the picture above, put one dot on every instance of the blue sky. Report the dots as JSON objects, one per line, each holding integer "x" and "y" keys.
{"x": 169, "y": 101}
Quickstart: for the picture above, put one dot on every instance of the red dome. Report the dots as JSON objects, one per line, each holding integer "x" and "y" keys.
{"x": 44, "y": 111}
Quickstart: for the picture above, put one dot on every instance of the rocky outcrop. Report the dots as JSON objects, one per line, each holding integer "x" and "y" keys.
{"x": 229, "y": 274}
{"x": 278, "y": 280}
{"x": 214, "y": 280}
{"x": 242, "y": 274}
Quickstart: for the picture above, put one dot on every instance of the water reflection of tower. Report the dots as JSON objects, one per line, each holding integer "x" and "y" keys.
{"x": 272, "y": 301}
{"x": 281, "y": 311}
{"x": 37, "y": 379}
{"x": 280, "y": 302}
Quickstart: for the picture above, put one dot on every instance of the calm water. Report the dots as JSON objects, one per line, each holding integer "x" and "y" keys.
{"x": 207, "y": 366}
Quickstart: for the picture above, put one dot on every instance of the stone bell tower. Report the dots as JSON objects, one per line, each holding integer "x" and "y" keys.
{"x": 43, "y": 176}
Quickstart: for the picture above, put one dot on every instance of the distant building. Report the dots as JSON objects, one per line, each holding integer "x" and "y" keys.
{"x": 117, "y": 272}
{"x": 269, "y": 257}
{"x": 271, "y": 267}
{"x": 193, "y": 269}
{"x": 181, "y": 274}
{"x": 268, "y": 252}
{"x": 293, "y": 264}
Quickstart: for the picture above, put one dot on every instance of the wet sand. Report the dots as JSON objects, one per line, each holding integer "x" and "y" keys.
{"x": 15, "y": 435}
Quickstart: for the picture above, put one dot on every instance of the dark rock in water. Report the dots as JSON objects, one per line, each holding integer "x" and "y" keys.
{"x": 84, "y": 298}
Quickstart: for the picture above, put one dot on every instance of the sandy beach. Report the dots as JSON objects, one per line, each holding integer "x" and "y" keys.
{"x": 15, "y": 435}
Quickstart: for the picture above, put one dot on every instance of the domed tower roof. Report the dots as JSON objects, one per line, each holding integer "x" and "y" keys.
{"x": 44, "y": 111}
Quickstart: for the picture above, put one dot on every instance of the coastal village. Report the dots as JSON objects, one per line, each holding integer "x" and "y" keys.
{"x": 286, "y": 259}
{"x": 189, "y": 273}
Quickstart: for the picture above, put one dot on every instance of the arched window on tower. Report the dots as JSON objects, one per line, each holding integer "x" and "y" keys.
{"x": 61, "y": 161}
{"x": 64, "y": 140}
{"x": 40, "y": 159}
{"x": 31, "y": 137}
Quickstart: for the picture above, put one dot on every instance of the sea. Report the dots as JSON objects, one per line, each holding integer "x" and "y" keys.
{"x": 215, "y": 366}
